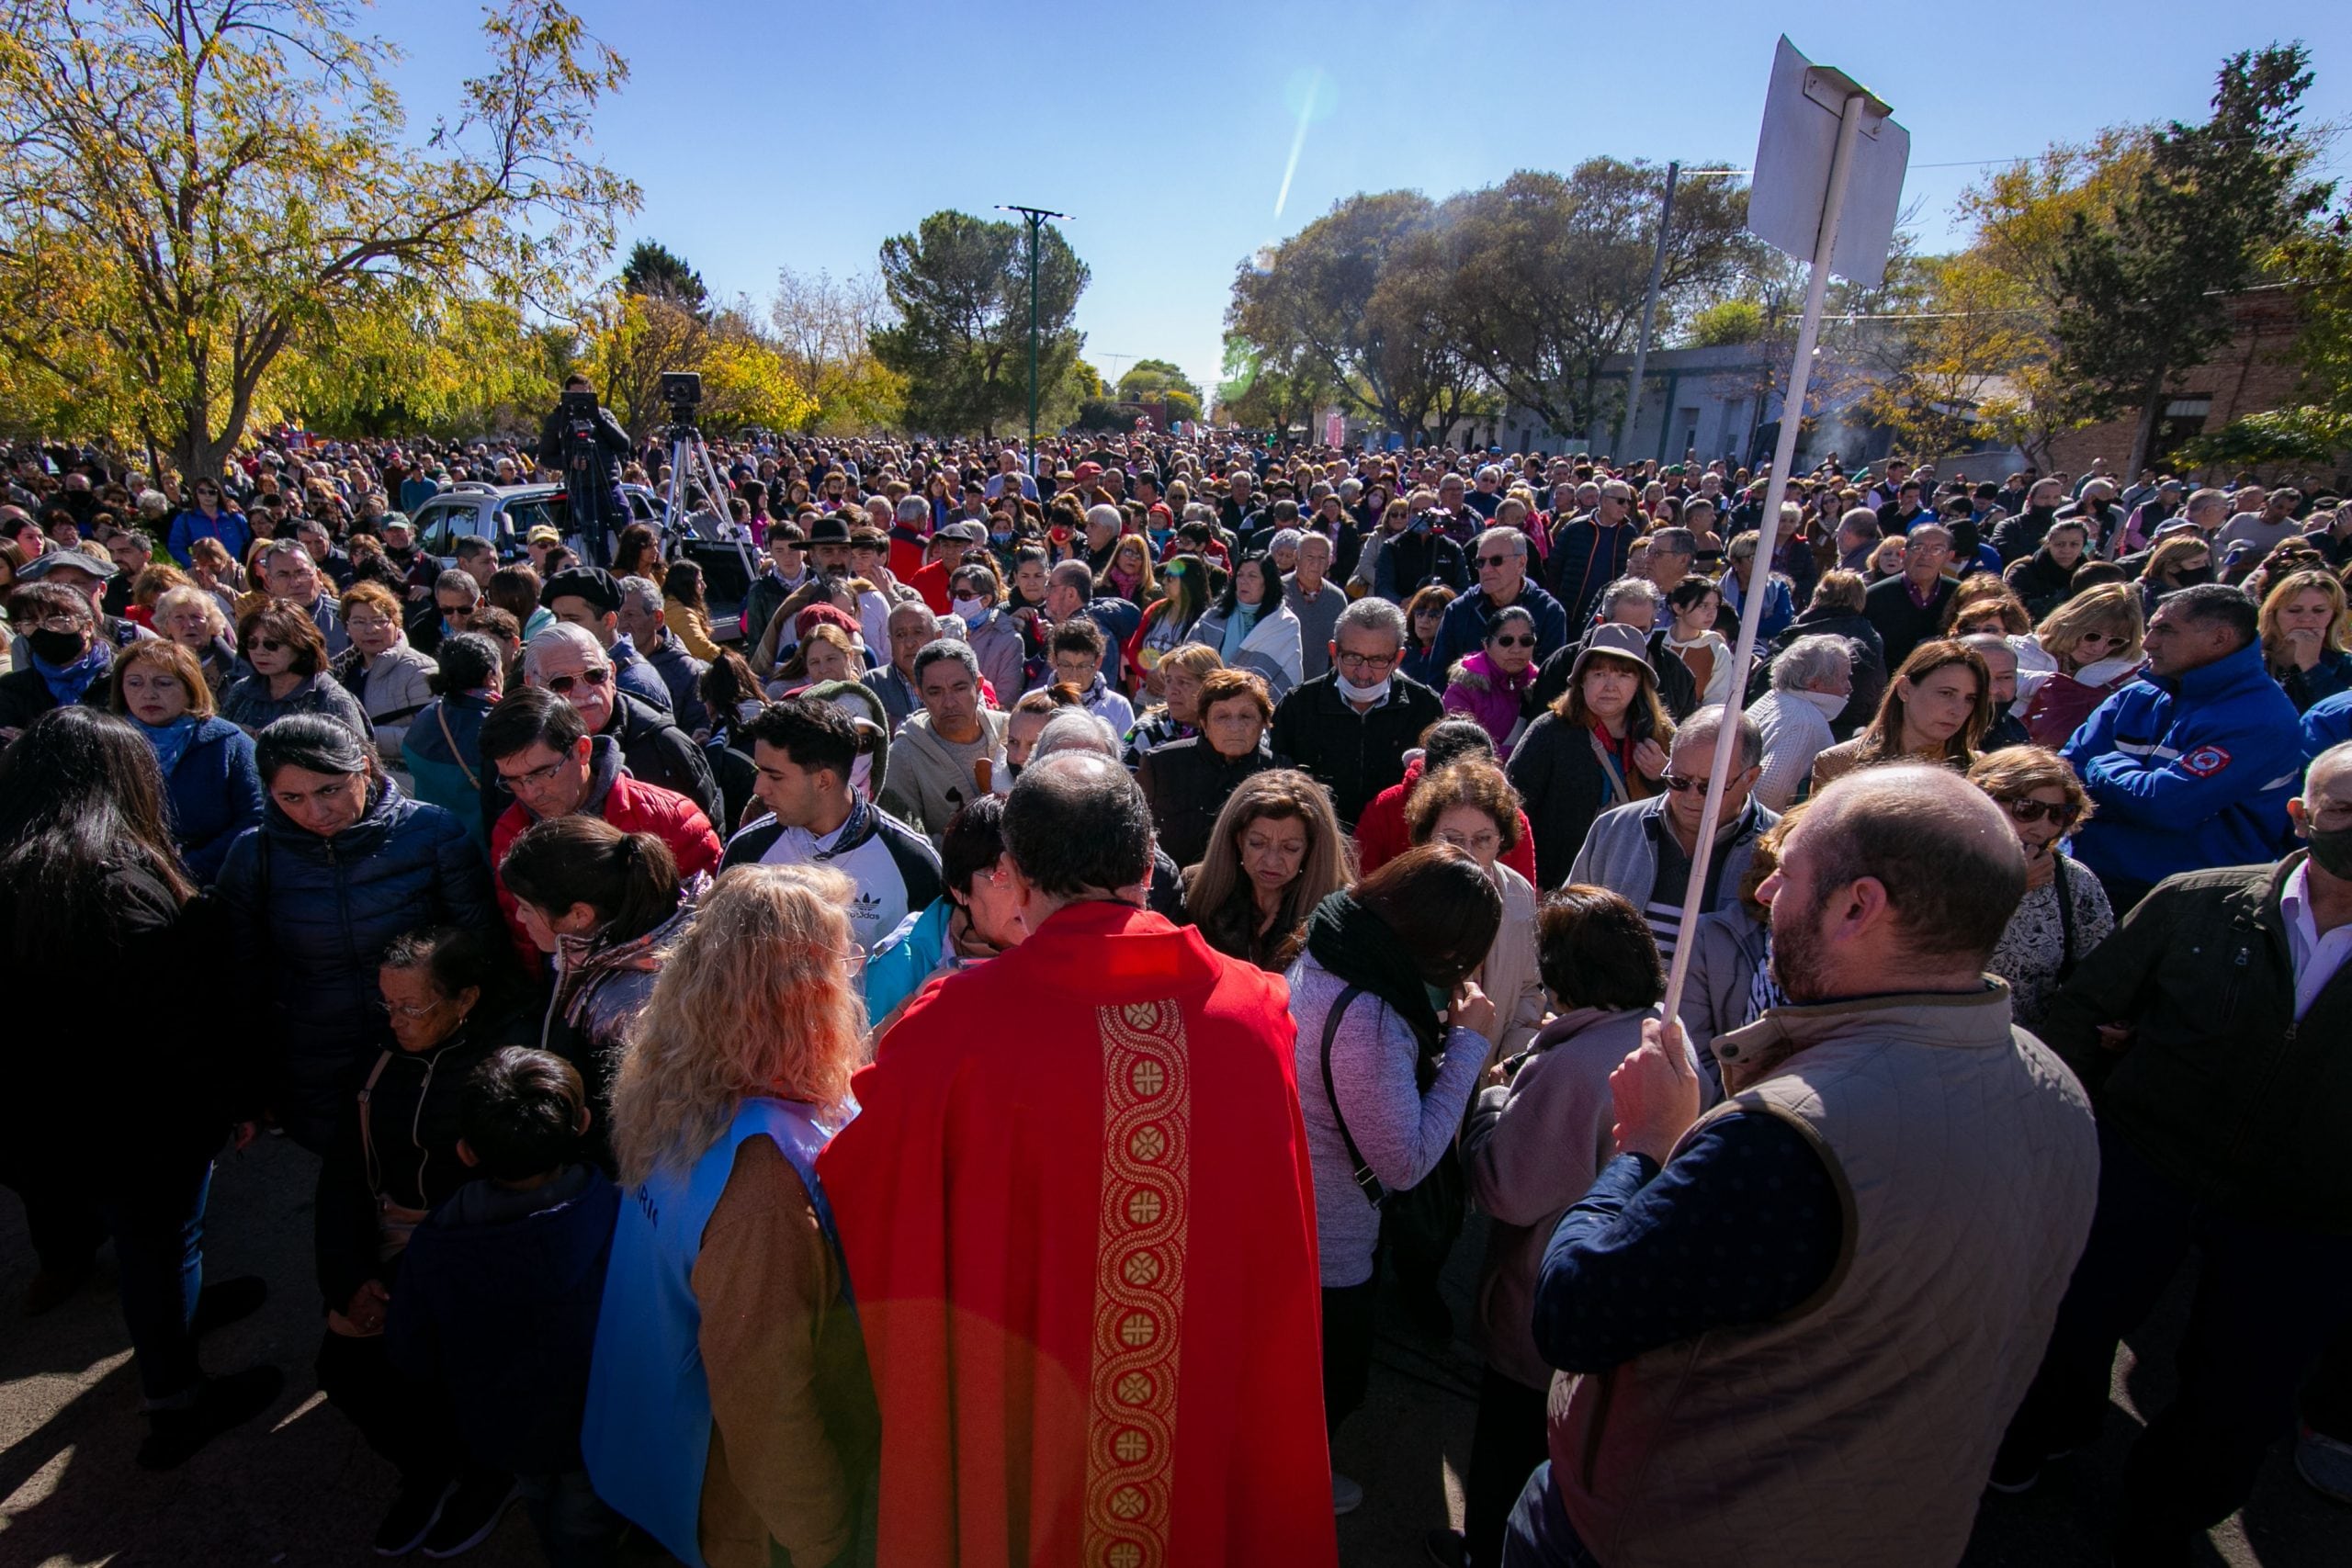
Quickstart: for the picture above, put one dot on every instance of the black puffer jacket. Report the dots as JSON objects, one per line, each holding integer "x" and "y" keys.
{"x": 309, "y": 918}
{"x": 1187, "y": 782}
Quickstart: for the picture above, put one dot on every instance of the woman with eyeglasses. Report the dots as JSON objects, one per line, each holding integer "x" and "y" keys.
{"x": 393, "y": 1159}
{"x": 210, "y": 782}
{"x": 392, "y": 680}
{"x": 1276, "y": 852}
{"x": 290, "y": 673}
{"x": 341, "y": 863}
{"x": 206, "y": 518}
{"x": 2083, "y": 653}
{"x": 1491, "y": 686}
{"x": 2065, "y": 912}
{"x": 2182, "y": 561}
{"x": 606, "y": 906}
{"x": 1472, "y": 805}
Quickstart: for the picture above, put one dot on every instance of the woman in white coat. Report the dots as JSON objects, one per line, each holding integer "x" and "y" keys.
{"x": 1252, "y": 629}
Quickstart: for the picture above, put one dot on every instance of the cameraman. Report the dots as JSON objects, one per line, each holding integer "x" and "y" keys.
{"x": 588, "y": 452}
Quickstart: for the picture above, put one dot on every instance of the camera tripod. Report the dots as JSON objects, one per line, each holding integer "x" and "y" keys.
{"x": 690, "y": 459}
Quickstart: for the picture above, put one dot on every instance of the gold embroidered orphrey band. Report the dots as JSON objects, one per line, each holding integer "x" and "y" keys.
{"x": 1138, "y": 1284}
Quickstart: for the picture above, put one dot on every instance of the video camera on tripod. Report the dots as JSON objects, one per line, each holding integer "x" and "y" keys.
{"x": 681, "y": 395}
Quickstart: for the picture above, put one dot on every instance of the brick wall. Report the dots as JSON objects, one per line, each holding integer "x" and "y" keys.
{"x": 2254, "y": 372}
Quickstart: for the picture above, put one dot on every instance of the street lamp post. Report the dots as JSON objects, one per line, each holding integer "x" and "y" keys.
{"x": 1036, "y": 217}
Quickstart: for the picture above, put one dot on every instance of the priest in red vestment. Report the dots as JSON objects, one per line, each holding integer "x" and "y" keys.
{"x": 1080, "y": 1231}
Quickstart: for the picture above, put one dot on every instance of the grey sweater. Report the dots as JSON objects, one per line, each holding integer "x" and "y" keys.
{"x": 1401, "y": 1131}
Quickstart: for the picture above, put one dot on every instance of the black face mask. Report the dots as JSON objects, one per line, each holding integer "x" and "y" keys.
{"x": 58, "y": 648}
{"x": 2192, "y": 576}
{"x": 2332, "y": 849}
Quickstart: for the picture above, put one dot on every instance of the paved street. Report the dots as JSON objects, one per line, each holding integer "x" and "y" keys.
{"x": 297, "y": 1488}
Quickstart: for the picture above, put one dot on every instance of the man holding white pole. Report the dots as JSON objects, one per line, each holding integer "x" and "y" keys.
{"x": 1790, "y": 1330}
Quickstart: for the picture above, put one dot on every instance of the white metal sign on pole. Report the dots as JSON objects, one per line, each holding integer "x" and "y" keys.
{"x": 1828, "y": 182}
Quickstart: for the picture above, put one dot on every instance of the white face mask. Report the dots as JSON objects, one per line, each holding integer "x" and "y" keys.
{"x": 1355, "y": 693}
{"x": 969, "y": 610}
{"x": 1830, "y": 704}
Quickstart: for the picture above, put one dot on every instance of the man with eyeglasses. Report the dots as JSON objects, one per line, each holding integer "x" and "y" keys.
{"x": 1908, "y": 609}
{"x": 2209, "y": 1031}
{"x": 1643, "y": 851}
{"x": 1590, "y": 549}
{"x": 587, "y": 597}
{"x": 566, "y": 661}
{"x": 539, "y": 749}
{"x": 1351, "y": 728}
{"x": 1500, "y": 557}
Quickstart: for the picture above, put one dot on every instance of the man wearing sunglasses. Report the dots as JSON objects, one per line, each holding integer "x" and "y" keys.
{"x": 1500, "y": 557}
{"x": 1643, "y": 851}
{"x": 587, "y": 597}
{"x": 565, "y": 661}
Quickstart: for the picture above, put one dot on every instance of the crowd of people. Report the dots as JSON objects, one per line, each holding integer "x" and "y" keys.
{"x": 929, "y": 1067}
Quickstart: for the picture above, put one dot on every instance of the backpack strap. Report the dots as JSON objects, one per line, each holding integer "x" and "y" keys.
{"x": 1367, "y": 1183}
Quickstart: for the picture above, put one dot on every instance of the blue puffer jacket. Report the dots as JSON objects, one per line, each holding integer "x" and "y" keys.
{"x": 214, "y": 795}
{"x": 450, "y": 778}
{"x": 2190, "y": 773}
{"x": 308, "y": 918}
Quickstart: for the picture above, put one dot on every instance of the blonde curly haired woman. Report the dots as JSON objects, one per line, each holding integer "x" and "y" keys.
{"x": 729, "y": 1403}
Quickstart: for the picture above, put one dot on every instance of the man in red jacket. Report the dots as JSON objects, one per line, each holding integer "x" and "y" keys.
{"x": 1080, "y": 1222}
{"x": 541, "y": 750}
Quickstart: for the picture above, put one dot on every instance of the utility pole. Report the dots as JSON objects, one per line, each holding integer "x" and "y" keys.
{"x": 1036, "y": 217}
{"x": 1649, "y": 315}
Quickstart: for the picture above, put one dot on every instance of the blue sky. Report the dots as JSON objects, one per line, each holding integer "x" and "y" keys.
{"x": 769, "y": 135}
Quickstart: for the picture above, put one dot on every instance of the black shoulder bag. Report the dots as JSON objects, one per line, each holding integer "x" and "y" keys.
{"x": 1422, "y": 1221}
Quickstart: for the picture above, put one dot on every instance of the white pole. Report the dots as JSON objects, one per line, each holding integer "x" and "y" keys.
{"x": 1649, "y": 315}
{"x": 1841, "y": 168}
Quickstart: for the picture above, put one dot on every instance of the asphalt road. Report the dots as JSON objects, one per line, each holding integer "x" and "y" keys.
{"x": 297, "y": 1487}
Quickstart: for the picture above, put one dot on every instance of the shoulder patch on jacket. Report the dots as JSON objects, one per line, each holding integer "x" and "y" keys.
{"x": 2205, "y": 761}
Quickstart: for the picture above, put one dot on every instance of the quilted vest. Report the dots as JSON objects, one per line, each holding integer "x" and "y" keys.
{"x": 1856, "y": 1431}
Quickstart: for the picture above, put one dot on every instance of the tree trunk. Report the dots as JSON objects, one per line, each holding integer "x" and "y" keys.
{"x": 2143, "y": 434}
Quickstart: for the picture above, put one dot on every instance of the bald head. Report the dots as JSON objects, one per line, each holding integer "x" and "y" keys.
{"x": 1077, "y": 826}
{"x": 1946, "y": 869}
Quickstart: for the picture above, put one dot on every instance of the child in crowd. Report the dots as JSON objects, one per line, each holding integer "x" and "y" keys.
{"x": 500, "y": 1287}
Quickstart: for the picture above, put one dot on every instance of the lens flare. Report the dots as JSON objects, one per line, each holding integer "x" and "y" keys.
{"x": 1310, "y": 95}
